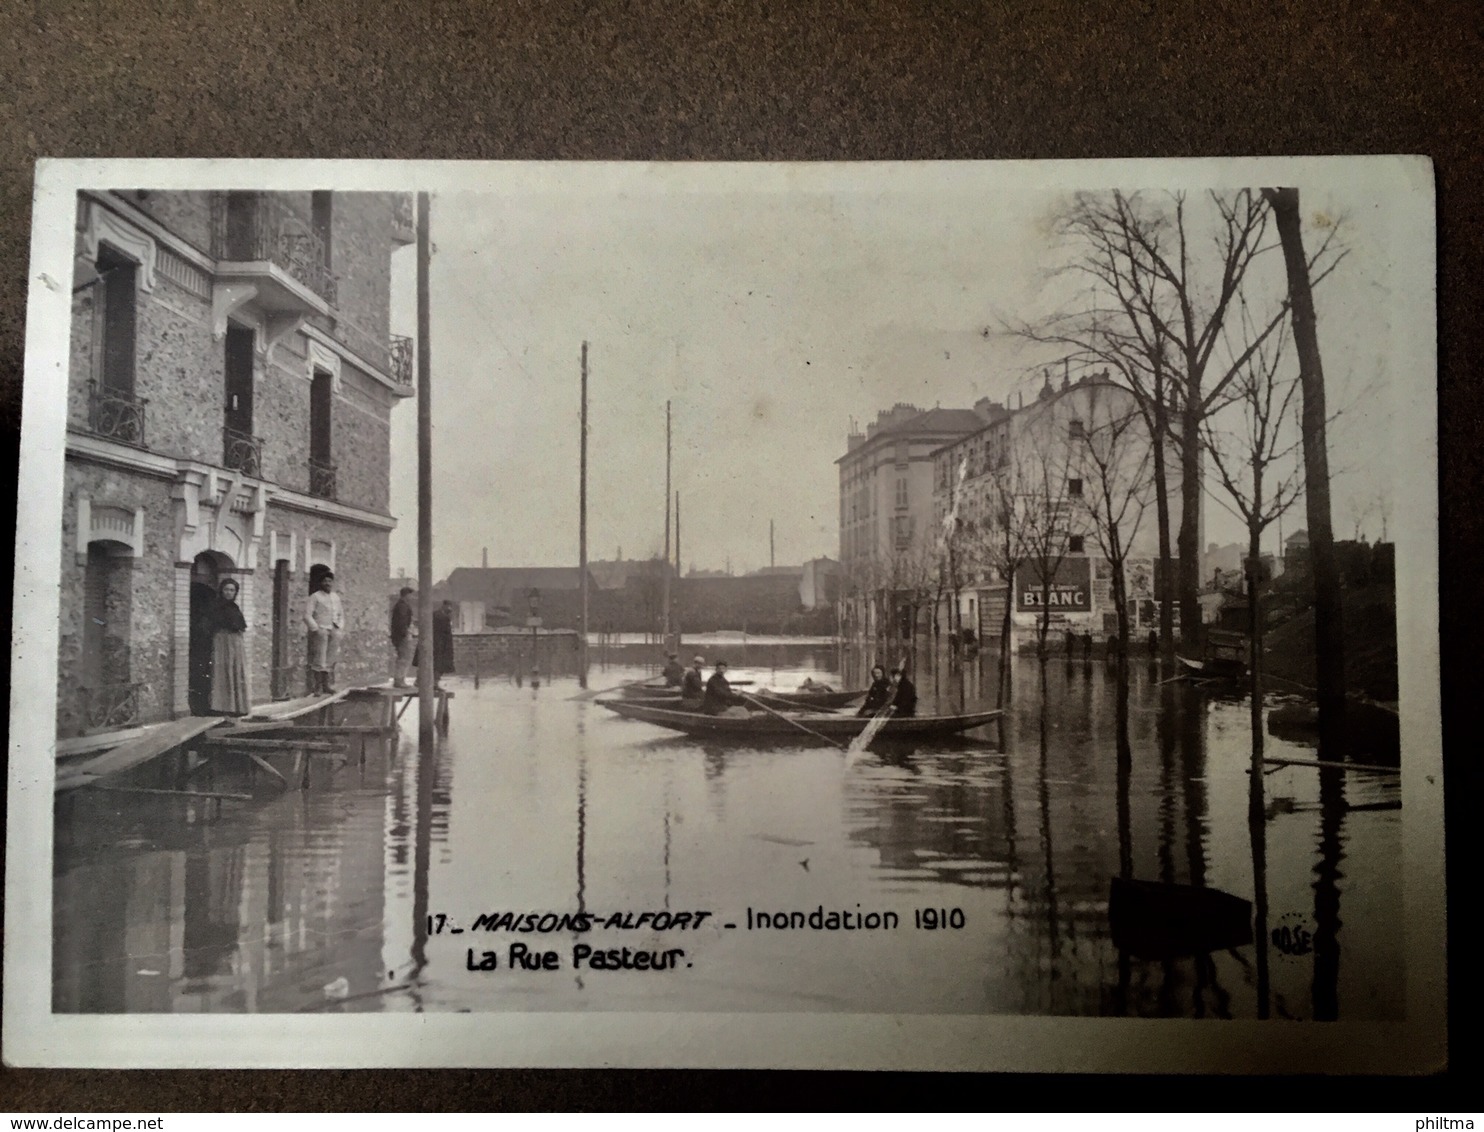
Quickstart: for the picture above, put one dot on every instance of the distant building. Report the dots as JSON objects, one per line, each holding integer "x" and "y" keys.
{"x": 232, "y": 377}
{"x": 819, "y": 584}
{"x": 506, "y": 593}
{"x": 1031, "y": 466}
{"x": 886, "y": 507}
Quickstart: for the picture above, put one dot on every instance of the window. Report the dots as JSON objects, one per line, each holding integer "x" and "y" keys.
{"x": 240, "y": 448}
{"x": 320, "y": 219}
{"x": 1077, "y": 430}
{"x": 901, "y": 492}
{"x": 116, "y": 293}
{"x": 901, "y": 454}
{"x": 1074, "y": 488}
{"x": 321, "y": 413}
{"x": 1074, "y": 544}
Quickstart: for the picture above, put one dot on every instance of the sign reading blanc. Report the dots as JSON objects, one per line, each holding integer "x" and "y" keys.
{"x": 1069, "y": 591}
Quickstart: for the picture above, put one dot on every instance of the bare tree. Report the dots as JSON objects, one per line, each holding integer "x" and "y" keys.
{"x": 1114, "y": 459}
{"x": 1041, "y": 455}
{"x": 1158, "y": 293}
{"x": 1255, "y": 447}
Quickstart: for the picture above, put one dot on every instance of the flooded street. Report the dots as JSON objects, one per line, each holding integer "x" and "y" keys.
{"x": 541, "y": 801}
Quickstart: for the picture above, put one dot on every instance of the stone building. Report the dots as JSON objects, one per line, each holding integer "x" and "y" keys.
{"x": 232, "y": 378}
{"x": 1046, "y": 470}
{"x": 887, "y": 536}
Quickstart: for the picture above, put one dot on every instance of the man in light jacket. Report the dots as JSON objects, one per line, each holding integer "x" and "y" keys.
{"x": 324, "y": 617}
{"x": 404, "y": 636}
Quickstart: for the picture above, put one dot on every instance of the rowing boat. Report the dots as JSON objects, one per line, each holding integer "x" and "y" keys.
{"x": 650, "y": 690}
{"x": 766, "y": 724}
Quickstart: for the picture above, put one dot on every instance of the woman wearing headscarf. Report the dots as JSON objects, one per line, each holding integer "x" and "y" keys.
{"x": 878, "y": 695}
{"x": 229, "y": 694}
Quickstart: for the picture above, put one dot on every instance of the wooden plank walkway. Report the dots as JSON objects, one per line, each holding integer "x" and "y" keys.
{"x": 103, "y": 741}
{"x": 127, "y": 755}
{"x": 293, "y": 709}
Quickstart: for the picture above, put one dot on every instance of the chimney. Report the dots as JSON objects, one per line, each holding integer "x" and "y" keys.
{"x": 486, "y": 558}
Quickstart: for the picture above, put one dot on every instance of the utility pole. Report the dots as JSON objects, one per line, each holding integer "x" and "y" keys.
{"x": 772, "y": 561}
{"x": 677, "y": 564}
{"x": 665, "y": 573}
{"x": 426, "y": 733}
{"x": 582, "y": 529}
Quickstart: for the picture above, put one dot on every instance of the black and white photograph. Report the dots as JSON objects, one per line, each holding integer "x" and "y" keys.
{"x": 955, "y": 615}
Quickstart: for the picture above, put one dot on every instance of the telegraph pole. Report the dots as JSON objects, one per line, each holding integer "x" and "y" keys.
{"x": 582, "y": 528}
{"x": 665, "y": 574}
{"x": 425, "y": 713}
{"x": 677, "y": 564}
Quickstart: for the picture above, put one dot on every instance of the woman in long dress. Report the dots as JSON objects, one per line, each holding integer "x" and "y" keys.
{"x": 229, "y": 694}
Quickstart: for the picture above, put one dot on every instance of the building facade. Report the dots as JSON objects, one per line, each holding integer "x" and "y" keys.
{"x": 1028, "y": 495}
{"x": 232, "y": 378}
{"x": 887, "y": 535}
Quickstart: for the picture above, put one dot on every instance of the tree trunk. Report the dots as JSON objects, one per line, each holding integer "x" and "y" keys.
{"x": 1187, "y": 542}
{"x": 1329, "y": 624}
{"x": 1162, "y": 513}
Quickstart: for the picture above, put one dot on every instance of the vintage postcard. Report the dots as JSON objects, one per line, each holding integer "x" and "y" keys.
{"x": 926, "y": 616}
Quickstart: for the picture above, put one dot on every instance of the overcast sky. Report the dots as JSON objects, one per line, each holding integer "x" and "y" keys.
{"x": 770, "y": 319}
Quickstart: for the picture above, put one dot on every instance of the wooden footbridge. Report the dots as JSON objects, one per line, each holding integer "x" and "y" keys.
{"x": 304, "y": 729}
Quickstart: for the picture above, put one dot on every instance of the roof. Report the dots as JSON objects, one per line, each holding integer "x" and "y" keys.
{"x": 483, "y": 583}
{"x": 930, "y": 422}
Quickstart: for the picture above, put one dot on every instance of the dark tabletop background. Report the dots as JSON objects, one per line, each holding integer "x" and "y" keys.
{"x": 799, "y": 80}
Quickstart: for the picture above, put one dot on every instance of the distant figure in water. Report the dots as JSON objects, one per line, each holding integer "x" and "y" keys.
{"x": 812, "y": 685}
{"x": 1153, "y": 642}
{"x": 719, "y": 695}
{"x": 1087, "y": 646}
{"x": 229, "y": 694}
{"x": 904, "y": 695}
{"x": 1071, "y": 641}
{"x": 879, "y": 694}
{"x": 674, "y": 674}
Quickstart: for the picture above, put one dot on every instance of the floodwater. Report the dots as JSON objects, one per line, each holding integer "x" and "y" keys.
{"x": 346, "y": 896}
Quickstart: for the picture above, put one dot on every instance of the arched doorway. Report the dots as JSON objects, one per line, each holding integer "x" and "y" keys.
{"x": 207, "y": 572}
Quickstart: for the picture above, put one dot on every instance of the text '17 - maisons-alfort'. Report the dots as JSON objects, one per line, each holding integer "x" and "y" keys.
{"x": 231, "y": 384}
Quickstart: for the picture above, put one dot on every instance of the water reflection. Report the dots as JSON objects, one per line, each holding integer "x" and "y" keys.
{"x": 540, "y": 800}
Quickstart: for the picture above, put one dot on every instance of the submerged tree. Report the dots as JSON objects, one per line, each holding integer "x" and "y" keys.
{"x": 1114, "y": 460}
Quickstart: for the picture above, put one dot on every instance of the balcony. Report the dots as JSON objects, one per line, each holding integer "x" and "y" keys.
{"x": 321, "y": 479}
{"x": 110, "y": 707}
{"x": 403, "y": 353}
{"x": 258, "y": 240}
{"x": 242, "y": 452}
{"x": 115, "y": 415}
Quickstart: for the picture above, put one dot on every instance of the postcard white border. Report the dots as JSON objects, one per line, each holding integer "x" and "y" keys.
{"x": 32, "y": 1035}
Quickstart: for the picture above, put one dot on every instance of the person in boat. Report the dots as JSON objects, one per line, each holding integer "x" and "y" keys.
{"x": 693, "y": 685}
{"x": 904, "y": 695}
{"x": 719, "y": 695}
{"x": 812, "y": 685}
{"x": 229, "y": 694}
{"x": 674, "y": 672}
{"x": 879, "y": 694}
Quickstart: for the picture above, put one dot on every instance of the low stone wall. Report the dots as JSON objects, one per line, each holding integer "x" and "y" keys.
{"x": 499, "y": 654}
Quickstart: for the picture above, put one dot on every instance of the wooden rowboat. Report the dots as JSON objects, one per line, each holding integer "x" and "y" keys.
{"x": 649, "y": 691}
{"x": 763, "y": 724}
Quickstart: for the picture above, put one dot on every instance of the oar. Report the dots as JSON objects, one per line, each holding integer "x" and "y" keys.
{"x": 594, "y": 693}
{"x": 787, "y": 719}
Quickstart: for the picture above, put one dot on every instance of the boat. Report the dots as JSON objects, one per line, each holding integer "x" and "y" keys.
{"x": 662, "y": 697}
{"x": 1225, "y": 657}
{"x": 1155, "y": 920}
{"x": 763, "y": 723}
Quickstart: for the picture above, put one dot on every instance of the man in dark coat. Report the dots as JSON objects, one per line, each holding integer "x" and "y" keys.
{"x": 674, "y": 674}
{"x": 904, "y": 697}
{"x": 403, "y": 640}
{"x": 442, "y": 640}
{"x": 719, "y": 695}
{"x": 693, "y": 685}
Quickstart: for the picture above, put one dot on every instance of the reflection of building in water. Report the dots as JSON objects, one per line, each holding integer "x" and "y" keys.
{"x": 239, "y": 915}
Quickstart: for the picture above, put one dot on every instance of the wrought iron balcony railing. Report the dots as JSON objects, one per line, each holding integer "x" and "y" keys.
{"x": 242, "y": 452}
{"x": 116, "y": 415}
{"x": 403, "y": 353}
{"x": 110, "y": 707}
{"x": 258, "y": 227}
{"x": 321, "y": 479}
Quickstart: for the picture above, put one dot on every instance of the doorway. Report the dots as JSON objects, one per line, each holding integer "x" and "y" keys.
{"x": 207, "y": 572}
{"x": 281, "y": 629}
